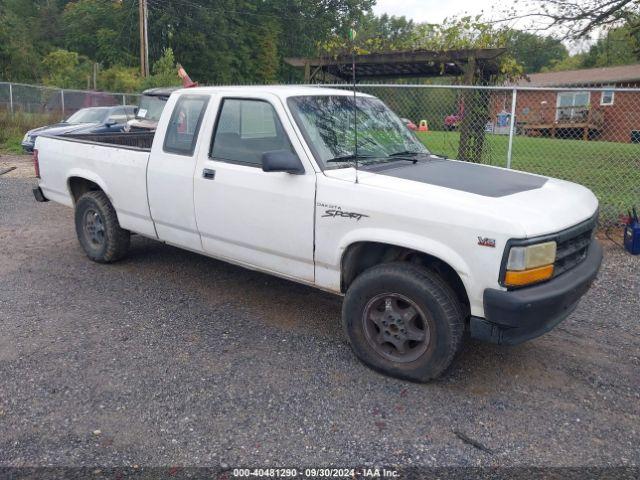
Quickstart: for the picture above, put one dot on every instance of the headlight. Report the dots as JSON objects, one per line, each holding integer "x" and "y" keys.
{"x": 26, "y": 137}
{"x": 530, "y": 264}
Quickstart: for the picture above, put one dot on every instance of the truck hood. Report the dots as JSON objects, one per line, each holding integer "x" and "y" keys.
{"x": 538, "y": 205}
{"x": 61, "y": 128}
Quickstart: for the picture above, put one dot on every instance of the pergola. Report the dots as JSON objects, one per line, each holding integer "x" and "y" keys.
{"x": 467, "y": 63}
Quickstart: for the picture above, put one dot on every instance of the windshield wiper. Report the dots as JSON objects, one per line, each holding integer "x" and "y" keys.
{"x": 346, "y": 158}
{"x": 408, "y": 155}
{"x": 405, "y": 153}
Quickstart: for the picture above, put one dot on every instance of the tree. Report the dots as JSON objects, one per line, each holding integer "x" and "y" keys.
{"x": 535, "y": 52}
{"x": 164, "y": 72}
{"x": 19, "y": 59}
{"x": 66, "y": 69}
{"x": 573, "y": 62}
{"x": 472, "y": 33}
{"x": 95, "y": 28}
{"x": 618, "y": 46}
{"x": 120, "y": 79}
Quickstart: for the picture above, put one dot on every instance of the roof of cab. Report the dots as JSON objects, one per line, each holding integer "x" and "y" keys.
{"x": 159, "y": 91}
{"x": 282, "y": 91}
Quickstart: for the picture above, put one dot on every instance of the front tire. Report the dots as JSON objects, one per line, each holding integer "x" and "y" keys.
{"x": 98, "y": 230}
{"x": 403, "y": 320}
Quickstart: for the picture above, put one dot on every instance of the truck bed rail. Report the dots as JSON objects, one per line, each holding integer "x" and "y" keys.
{"x": 138, "y": 140}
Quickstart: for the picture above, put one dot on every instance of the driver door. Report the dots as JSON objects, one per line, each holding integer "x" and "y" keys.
{"x": 259, "y": 219}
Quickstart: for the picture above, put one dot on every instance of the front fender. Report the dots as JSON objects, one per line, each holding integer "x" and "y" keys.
{"x": 406, "y": 240}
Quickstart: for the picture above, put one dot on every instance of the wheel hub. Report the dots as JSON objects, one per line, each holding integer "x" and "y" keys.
{"x": 396, "y": 327}
{"x": 94, "y": 227}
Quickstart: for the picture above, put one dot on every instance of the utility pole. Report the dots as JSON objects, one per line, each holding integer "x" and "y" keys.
{"x": 144, "y": 38}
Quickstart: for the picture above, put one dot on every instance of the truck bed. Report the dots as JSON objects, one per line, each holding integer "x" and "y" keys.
{"x": 115, "y": 162}
{"x": 137, "y": 140}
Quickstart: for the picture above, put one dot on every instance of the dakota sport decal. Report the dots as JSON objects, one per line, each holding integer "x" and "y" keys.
{"x": 339, "y": 213}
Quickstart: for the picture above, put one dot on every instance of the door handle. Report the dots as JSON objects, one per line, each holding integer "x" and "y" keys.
{"x": 208, "y": 174}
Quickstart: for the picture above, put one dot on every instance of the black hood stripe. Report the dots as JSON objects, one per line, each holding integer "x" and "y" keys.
{"x": 466, "y": 177}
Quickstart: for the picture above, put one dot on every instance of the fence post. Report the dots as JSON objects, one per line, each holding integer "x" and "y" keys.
{"x": 512, "y": 124}
{"x": 11, "y": 97}
{"x": 124, "y": 100}
{"x": 62, "y": 101}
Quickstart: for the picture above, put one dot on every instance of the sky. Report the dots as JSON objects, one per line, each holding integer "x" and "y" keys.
{"x": 434, "y": 11}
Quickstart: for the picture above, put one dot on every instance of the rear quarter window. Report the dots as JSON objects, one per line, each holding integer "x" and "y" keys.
{"x": 182, "y": 132}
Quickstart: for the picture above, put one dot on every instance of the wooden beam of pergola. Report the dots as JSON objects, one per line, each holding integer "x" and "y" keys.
{"x": 409, "y": 64}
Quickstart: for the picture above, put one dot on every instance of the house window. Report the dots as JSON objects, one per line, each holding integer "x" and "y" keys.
{"x": 572, "y": 106}
{"x": 607, "y": 97}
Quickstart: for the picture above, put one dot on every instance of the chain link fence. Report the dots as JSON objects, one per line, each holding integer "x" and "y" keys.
{"x": 589, "y": 136}
{"x": 19, "y": 98}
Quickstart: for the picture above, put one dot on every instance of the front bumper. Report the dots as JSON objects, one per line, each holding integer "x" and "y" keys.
{"x": 513, "y": 317}
{"x": 28, "y": 146}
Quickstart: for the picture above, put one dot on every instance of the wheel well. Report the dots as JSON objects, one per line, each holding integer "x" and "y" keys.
{"x": 79, "y": 186}
{"x": 363, "y": 255}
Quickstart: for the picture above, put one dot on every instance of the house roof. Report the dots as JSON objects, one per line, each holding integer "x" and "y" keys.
{"x": 592, "y": 76}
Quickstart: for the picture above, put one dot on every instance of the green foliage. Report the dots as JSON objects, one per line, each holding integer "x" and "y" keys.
{"x": 94, "y": 28}
{"x": 618, "y": 46}
{"x": 19, "y": 58}
{"x": 120, "y": 79}
{"x": 245, "y": 41}
{"x": 574, "y": 62}
{"x": 453, "y": 34}
{"x": 535, "y": 52}
{"x": 128, "y": 80}
{"x": 66, "y": 69}
{"x": 164, "y": 72}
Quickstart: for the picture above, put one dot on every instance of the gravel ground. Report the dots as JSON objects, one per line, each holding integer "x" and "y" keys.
{"x": 171, "y": 358}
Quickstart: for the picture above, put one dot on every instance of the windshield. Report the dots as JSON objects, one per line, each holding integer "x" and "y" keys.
{"x": 89, "y": 115}
{"x": 151, "y": 107}
{"x": 327, "y": 123}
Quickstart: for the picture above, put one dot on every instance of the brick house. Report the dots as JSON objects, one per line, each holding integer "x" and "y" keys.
{"x": 579, "y": 114}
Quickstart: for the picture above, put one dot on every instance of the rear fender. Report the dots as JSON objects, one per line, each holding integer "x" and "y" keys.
{"x": 87, "y": 175}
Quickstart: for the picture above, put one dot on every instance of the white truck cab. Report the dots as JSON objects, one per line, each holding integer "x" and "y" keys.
{"x": 422, "y": 247}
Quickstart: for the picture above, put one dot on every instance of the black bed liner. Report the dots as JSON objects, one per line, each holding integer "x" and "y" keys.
{"x": 134, "y": 140}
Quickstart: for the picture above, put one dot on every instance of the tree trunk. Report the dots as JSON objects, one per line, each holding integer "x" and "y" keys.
{"x": 474, "y": 118}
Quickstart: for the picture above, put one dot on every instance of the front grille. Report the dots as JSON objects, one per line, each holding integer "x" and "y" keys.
{"x": 573, "y": 245}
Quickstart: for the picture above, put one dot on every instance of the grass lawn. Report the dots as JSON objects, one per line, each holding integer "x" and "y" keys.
{"x": 611, "y": 170}
{"x": 14, "y": 126}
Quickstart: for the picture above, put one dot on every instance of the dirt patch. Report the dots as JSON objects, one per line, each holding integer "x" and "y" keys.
{"x": 23, "y": 166}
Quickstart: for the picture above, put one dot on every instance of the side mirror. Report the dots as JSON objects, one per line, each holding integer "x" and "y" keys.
{"x": 282, "y": 161}
{"x": 110, "y": 122}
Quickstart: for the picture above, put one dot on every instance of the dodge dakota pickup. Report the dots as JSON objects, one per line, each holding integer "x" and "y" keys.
{"x": 424, "y": 249}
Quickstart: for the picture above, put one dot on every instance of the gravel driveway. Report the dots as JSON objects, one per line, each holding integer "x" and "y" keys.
{"x": 171, "y": 358}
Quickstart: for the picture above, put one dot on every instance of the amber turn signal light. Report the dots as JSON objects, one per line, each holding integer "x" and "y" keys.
{"x": 527, "y": 277}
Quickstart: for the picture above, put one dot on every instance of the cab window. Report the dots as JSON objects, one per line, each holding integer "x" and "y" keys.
{"x": 182, "y": 132}
{"x": 245, "y": 130}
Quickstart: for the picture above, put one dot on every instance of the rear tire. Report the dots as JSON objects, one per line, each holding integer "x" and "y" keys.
{"x": 98, "y": 229}
{"x": 403, "y": 320}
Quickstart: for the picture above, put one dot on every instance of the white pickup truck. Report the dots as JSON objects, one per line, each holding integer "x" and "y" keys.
{"x": 423, "y": 248}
